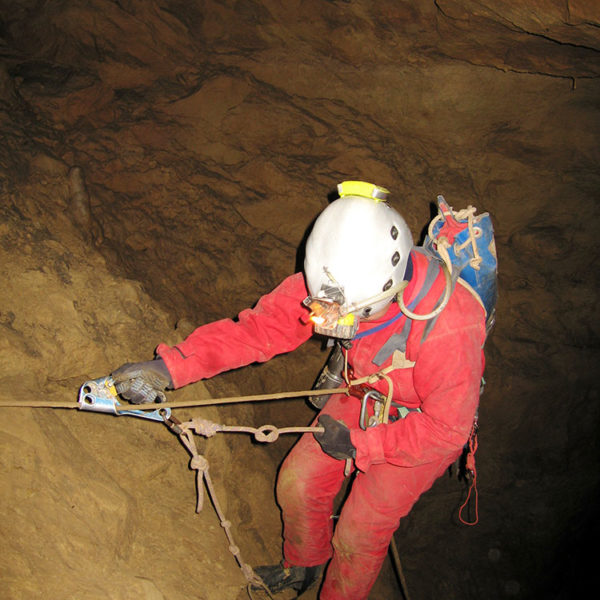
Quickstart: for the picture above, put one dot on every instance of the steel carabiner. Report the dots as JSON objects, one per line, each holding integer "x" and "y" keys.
{"x": 364, "y": 421}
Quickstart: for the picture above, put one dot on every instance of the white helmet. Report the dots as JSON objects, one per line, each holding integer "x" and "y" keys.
{"x": 358, "y": 250}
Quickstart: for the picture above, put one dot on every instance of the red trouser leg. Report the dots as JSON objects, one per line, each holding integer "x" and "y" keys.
{"x": 308, "y": 483}
{"x": 371, "y": 514}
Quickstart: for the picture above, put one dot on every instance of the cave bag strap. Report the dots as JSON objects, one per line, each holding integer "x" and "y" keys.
{"x": 397, "y": 342}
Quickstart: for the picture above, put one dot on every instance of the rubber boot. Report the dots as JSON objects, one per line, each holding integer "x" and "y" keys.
{"x": 278, "y": 577}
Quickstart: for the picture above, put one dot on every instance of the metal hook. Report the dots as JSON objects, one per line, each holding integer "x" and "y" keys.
{"x": 363, "y": 420}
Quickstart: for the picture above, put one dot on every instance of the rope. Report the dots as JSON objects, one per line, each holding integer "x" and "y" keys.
{"x": 206, "y": 428}
{"x": 442, "y": 243}
{"x": 471, "y": 468}
{"x": 399, "y": 570}
{"x": 175, "y": 404}
{"x": 234, "y": 399}
{"x": 39, "y": 404}
{"x": 201, "y": 466}
{"x": 268, "y": 434}
{"x": 265, "y": 433}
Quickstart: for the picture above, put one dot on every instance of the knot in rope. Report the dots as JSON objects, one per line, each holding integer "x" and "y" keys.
{"x": 199, "y": 463}
{"x": 204, "y": 427}
{"x": 267, "y": 433}
{"x": 443, "y": 243}
{"x": 469, "y": 214}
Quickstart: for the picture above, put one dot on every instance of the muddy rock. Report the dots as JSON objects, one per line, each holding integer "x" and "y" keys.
{"x": 161, "y": 164}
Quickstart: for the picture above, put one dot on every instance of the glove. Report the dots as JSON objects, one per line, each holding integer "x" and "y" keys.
{"x": 143, "y": 382}
{"x": 335, "y": 440}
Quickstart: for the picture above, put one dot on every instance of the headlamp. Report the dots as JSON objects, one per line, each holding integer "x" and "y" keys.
{"x": 331, "y": 318}
{"x": 328, "y": 318}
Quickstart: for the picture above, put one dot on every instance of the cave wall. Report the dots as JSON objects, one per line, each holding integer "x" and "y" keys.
{"x": 161, "y": 165}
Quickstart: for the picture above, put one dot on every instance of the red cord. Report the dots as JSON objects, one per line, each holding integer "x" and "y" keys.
{"x": 470, "y": 467}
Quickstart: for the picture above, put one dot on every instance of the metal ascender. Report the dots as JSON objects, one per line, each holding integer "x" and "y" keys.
{"x": 100, "y": 395}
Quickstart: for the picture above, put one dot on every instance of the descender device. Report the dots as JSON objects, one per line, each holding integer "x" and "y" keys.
{"x": 100, "y": 395}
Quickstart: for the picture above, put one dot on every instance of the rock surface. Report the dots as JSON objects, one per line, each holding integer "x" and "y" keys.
{"x": 161, "y": 164}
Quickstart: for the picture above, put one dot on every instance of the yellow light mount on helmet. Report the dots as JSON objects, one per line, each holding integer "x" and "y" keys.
{"x": 363, "y": 189}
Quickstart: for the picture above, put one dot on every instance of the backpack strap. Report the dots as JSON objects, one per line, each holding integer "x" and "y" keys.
{"x": 397, "y": 342}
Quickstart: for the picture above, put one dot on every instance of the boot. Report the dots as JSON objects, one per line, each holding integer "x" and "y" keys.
{"x": 278, "y": 577}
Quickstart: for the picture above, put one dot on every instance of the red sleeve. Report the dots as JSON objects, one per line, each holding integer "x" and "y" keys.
{"x": 446, "y": 377}
{"x": 272, "y": 327}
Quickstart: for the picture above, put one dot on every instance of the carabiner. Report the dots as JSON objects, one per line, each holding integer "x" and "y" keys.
{"x": 363, "y": 420}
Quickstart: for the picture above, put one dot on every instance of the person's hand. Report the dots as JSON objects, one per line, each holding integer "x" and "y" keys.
{"x": 335, "y": 440}
{"x": 142, "y": 382}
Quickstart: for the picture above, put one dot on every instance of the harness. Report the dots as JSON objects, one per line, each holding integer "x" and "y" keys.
{"x": 395, "y": 347}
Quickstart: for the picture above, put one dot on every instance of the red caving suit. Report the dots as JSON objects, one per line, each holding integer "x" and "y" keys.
{"x": 397, "y": 461}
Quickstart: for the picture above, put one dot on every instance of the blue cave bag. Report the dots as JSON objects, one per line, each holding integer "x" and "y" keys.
{"x": 468, "y": 241}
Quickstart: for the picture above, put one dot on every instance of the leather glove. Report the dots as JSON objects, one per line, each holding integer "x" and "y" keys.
{"x": 143, "y": 382}
{"x": 335, "y": 440}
